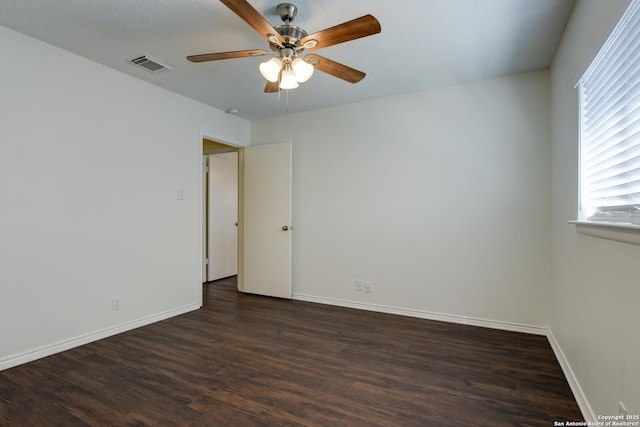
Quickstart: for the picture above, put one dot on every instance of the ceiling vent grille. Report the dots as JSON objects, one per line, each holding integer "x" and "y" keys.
{"x": 151, "y": 64}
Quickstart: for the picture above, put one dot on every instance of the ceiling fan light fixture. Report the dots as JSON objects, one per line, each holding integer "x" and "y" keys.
{"x": 270, "y": 70}
{"x": 288, "y": 79}
{"x": 302, "y": 69}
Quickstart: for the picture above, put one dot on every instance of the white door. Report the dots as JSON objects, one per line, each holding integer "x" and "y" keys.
{"x": 223, "y": 215}
{"x": 267, "y": 220}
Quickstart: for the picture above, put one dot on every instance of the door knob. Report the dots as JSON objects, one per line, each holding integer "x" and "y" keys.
{"x": 285, "y": 228}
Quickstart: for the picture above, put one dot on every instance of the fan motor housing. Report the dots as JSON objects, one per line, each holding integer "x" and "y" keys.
{"x": 291, "y": 35}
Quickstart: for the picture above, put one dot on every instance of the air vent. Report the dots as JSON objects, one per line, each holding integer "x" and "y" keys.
{"x": 151, "y": 64}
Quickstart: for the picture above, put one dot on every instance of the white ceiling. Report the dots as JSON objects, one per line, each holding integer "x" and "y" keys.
{"x": 423, "y": 44}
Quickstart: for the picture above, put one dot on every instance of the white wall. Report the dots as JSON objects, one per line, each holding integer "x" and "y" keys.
{"x": 595, "y": 286}
{"x": 439, "y": 198}
{"x": 91, "y": 162}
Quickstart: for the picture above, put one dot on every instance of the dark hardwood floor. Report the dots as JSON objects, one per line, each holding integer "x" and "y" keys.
{"x": 246, "y": 360}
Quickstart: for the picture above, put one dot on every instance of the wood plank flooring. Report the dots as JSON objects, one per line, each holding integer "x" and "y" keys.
{"x": 245, "y": 360}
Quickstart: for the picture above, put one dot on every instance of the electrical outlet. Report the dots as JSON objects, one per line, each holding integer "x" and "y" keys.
{"x": 115, "y": 304}
{"x": 359, "y": 285}
{"x": 367, "y": 287}
{"x": 622, "y": 410}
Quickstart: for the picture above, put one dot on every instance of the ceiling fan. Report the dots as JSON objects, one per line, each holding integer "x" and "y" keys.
{"x": 288, "y": 41}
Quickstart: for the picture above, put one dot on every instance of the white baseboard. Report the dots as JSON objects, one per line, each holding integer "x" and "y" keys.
{"x": 578, "y": 394}
{"x": 472, "y": 321}
{"x": 60, "y": 346}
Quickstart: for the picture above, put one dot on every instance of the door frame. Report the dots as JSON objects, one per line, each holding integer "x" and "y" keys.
{"x": 217, "y": 146}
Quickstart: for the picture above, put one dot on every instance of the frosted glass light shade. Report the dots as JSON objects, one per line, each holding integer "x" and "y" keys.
{"x": 271, "y": 69}
{"x": 302, "y": 69}
{"x": 288, "y": 79}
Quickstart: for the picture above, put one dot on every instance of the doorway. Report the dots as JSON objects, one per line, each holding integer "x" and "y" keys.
{"x": 262, "y": 227}
{"x": 220, "y": 210}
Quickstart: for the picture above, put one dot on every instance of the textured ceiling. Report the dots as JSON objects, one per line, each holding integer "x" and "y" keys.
{"x": 423, "y": 44}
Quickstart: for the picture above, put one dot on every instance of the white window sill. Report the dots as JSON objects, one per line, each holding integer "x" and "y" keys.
{"x": 628, "y": 233}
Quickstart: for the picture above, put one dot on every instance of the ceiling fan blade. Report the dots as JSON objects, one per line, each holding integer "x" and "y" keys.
{"x": 336, "y": 69}
{"x": 252, "y": 17}
{"x": 227, "y": 55}
{"x": 273, "y": 87}
{"x": 360, "y": 27}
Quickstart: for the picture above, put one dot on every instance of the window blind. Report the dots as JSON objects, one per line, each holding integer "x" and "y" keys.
{"x": 610, "y": 127}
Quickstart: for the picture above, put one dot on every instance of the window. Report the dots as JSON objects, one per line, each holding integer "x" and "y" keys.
{"x": 610, "y": 127}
